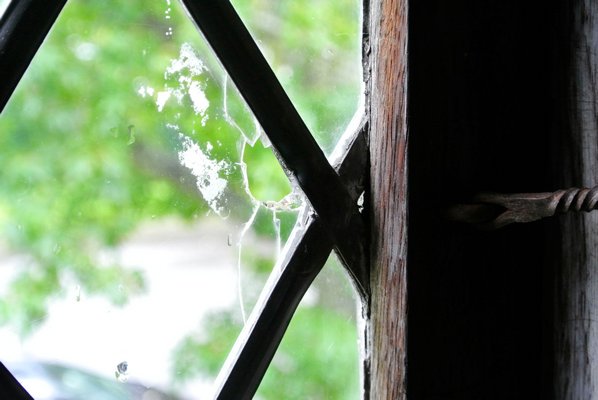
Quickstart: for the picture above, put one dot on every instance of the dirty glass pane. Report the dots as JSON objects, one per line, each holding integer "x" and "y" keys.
{"x": 138, "y": 202}
{"x": 314, "y": 48}
{"x": 320, "y": 345}
{"x": 141, "y": 208}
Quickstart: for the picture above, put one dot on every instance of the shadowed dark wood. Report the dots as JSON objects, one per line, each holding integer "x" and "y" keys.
{"x": 576, "y": 148}
{"x": 481, "y": 119}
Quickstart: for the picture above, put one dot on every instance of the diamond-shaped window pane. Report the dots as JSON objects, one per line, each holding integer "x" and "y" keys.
{"x": 314, "y": 49}
{"x": 318, "y": 357}
{"x": 138, "y": 198}
{"x": 141, "y": 203}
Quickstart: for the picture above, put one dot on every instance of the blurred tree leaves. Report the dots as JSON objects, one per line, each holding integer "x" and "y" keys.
{"x": 316, "y": 359}
{"x": 89, "y": 150}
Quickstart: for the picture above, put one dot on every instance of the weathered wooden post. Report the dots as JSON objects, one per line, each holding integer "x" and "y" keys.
{"x": 387, "y": 91}
{"x": 576, "y": 151}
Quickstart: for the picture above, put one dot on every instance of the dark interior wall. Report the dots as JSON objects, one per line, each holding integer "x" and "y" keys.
{"x": 481, "y": 110}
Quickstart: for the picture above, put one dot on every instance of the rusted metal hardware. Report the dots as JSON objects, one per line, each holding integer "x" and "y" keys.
{"x": 496, "y": 210}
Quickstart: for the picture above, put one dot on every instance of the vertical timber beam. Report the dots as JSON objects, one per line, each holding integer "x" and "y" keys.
{"x": 387, "y": 90}
{"x": 576, "y": 283}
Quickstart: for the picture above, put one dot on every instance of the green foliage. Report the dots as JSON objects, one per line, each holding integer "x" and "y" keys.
{"x": 89, "y": 152}
{"x": 319, "y": 347}
{"x": 197, "y": 355}
{"x": 313, "y": 46}
{"x": 316, "y": 359}
{"x": 71, "y": 183}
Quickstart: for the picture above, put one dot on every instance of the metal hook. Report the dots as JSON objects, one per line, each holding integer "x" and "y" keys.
{"x": 494, "y": 210}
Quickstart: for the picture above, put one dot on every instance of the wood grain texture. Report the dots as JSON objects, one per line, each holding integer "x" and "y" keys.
{"x": 388, "y": 153}
{"x": 576, "y": 280}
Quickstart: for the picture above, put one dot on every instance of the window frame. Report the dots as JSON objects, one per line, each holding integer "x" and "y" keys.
{"x": 333, "y": 220}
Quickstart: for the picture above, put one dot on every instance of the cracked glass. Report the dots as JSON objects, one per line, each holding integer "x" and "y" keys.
{"x": 142, "y": 207}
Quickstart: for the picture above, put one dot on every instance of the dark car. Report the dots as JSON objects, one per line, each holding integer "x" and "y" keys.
{"x": 49, "y": 381}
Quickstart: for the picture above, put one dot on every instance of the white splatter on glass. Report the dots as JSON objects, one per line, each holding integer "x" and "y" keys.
{"x": 141, "y": 204}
